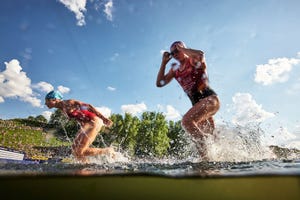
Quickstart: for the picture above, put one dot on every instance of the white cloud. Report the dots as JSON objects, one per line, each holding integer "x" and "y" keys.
{"x": 104, "y": 111}
{"x": 282, "y": 134}
{"x": 14, "y": 83}
{"x": 33, "y": 100}
{"x": 282, "y": 137}
{"x": 43, "y": 86}
{"x": 276, "y": 70}
{"x": 47, "y": 114}
{"x": 134, "y": 109}
{"x": 63, "y": 89}
{"x": 170, "y": 112}
{"x": 111, "y": 88}
{"x": 108, "y": 10}
{"x": 247, "y": 110}
{"x": 77, "y": 7}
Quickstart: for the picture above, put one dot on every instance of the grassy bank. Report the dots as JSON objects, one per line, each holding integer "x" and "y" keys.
{"x": 32, "y": 138}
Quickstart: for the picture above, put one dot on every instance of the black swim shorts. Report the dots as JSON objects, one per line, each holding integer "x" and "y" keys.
{"x": 195, "y": 97}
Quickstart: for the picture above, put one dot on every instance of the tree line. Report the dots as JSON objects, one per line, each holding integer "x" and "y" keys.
{"x": 148, "y": 135}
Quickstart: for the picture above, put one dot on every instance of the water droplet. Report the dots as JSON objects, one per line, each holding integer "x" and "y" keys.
{"x": 198, "y": 64}
{"x": 162, "y": 82}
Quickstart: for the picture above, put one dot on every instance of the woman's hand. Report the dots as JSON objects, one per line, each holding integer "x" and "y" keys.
{"x": 107, "y": 122}
{"x": 166, "y": 57}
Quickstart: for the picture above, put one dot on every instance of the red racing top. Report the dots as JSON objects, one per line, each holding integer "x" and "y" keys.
{"x": 82, "y": 115}
{"x": 191, "y": 77}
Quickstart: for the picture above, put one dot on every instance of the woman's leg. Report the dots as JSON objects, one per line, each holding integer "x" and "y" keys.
{"x": 207, "y": 126}
{"x": 198, "y": 121}
{"x": 85, "y": 138}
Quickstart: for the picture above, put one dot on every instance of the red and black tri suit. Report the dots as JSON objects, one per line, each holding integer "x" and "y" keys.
{"x": 192, "y": 78}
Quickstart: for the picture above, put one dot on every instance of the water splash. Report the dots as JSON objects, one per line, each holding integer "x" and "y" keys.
{"x": 111, "y": 158}
{"x": 237, "y": 144}
{"x": 229, "y": 144}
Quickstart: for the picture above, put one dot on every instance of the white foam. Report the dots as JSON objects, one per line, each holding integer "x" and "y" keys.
{"x": 237, "y": 145}
{"x": 109, "y": 158}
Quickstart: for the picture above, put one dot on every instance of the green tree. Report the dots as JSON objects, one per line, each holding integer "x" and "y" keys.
{"x": 31, "y": 118}
{"x": 124, "y": 131}
{"x": 65, "y": 127}
{"x": 152, "y": 136}
{"x": 39, "y": 121}
{"x": 41, "y": 118}
{"x": 107, "y": 139}
{"x": 178, "y": 139}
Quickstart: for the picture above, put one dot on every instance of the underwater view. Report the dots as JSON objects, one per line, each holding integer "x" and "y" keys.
{"x": 152, "y": 99}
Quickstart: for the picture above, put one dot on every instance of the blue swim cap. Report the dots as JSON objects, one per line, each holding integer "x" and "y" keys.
{"x": 54, "y": 95}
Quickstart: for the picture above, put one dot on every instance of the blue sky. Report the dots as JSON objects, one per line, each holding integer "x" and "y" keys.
{"x": 108, "y": 53}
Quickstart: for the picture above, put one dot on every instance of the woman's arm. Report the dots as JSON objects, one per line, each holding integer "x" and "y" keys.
{"x": 107, "y": 122}
{"x": 85, "y": 106}
{"x": 197, "y": 58}
{"x": 192, "y": 53}
{"x": 162, "y": 78}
